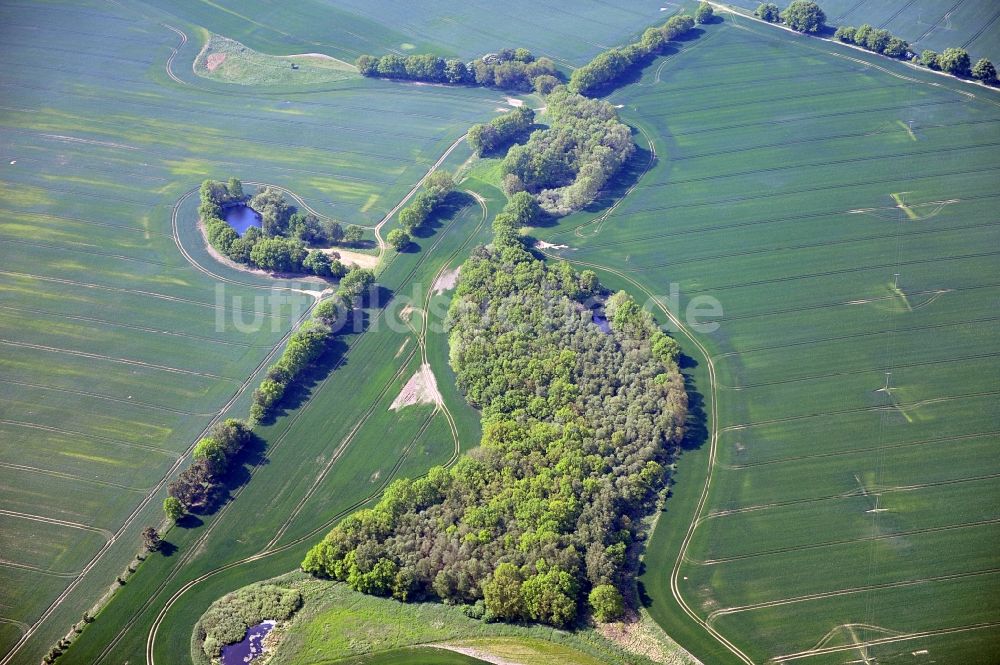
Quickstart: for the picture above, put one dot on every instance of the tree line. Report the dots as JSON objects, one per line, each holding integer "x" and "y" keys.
{"x": 543, "y": 521}
{"x": 280, "y": 244}
{"x": 200, "y": 486}
{"x": 808, "y": 17}
{"x": 609, "y": 66}
{"x": 436, "y": 188}
{"x": 510, "y": 69}
{"x": 566, "y": 164}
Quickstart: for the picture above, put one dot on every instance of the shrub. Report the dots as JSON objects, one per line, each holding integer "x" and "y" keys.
{"x": 704, "y": 13}
{"x": 985, "y": 72}
{"x": 768, "y": 11}
{"x": 228, "y": 618}
{"x": 606, "y": 603}
{"x": 955, "y": 61}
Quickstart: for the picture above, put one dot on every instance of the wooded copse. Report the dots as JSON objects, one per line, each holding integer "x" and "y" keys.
{"x": 567, "y": 164}
{"x": 579, "y": 427}
{"x": 502, "y": 130}
{"x": 436, "y": 188}
{"x": 609, "y": 66}
{"x": 279, "y": 245}
{"x": 509, "y": 69}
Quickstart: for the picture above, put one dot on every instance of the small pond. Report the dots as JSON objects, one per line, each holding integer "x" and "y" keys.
{"x": 245, "y": 651}
{"x": 241, "y": 217}
{"x": 601, "y": 321}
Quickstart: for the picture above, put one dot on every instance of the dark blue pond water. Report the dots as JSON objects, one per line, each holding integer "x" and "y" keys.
{"x": 241, "y": 217}
{"x": 601, "y": 322}
{"x": 245, "y": 651}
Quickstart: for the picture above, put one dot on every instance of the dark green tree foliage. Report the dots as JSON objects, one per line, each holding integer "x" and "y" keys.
{"x": 501, "y": 130}
{"x": 279, "y": 245}
{"x": 985, "y": 71}
{"x": 929, "y": 59}
{"x": 511, "y": 69}
{"x": 704, "y": 13}
{"x": 804, "y": 16}
{"x": 768, "y": 11}
{"x": 198, "y": 486}
{"x": 955, "y": 61}
{"x": 605, "y": 69}
{"x": 435, "y": 191}
{"x": 567, "y": 164}
{"x": 398, "y": 238}
{"x": 876, "y": 40}
{"x": 578, "y": 427}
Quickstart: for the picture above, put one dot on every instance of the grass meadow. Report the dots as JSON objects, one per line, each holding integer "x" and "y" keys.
{"x": 842, "y": 212}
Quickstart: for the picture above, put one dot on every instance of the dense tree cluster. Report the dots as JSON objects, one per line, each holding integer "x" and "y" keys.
{"x": 279, "y": 245}
{"x": 578, "y": 428}
{"x": 199, "y": 486}
{"x": 501, "y": 130}
{"x": 437, "y": 186}
{"x": 609, "y": 66}
{"x": 567, "y": 164}
{"x": 877, "y": 40}
{"x": 510, "y": 69}
{"x": 307, "y": 344}
{"x": 228, "y": 618}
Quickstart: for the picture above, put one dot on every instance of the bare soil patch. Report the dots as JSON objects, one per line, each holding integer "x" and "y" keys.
{"x": 446, "y": 281}
{"x": 349, "y": 258}
{"x": 214, "y": 60}
{"x": 420, "y": 389}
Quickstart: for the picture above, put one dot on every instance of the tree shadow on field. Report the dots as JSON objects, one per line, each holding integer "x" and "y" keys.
{"x": 696, "y": 424}
{"x": 189, "y": 521}
{"x": 451, "y": 206}
{"x": 166, "y": 548}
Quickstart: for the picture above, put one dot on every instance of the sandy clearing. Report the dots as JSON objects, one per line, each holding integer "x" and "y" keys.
{"x": 514, "y": 102}
{"x": 420, "y": 389}
{"x": 446, "y": 281}
{"x": 541, "y": 244}
{"x": 319, "y": 56}
{"x": 347, "y": 257}
{"x": 476, "y": 653}
{"x": 214, "y": 60}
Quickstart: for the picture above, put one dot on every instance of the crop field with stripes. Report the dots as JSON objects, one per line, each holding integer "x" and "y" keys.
{"x": 117, "y": 348}
{"x": 842, "y": 211}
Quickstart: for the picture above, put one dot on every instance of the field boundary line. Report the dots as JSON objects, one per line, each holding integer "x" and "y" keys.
{"x": 845, "y": 592}
{"x": 883, "y": 640}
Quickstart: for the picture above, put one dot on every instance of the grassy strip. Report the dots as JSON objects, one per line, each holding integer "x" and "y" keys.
{"x": 229, "y": 61}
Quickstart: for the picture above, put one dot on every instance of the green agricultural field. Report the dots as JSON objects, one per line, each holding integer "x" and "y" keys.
{"x": 838, "y": 497}
{"x": 841, "y": 210}
{"x": 927, "y": 24}
{"x": 118, "y": 349}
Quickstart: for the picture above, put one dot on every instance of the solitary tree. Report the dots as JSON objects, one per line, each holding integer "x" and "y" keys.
{"x": 150, "y": 539}
{"x": 804, "y": 16}
{"x": 704, "y": 13}
{"x": 769, "y": 12}
{"x": 985, "y": 71}
{"x": 398, "y": 238}
{"x": 173, "y": 508}
{"x": 353, "y": 233}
